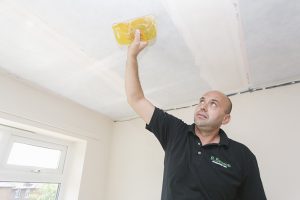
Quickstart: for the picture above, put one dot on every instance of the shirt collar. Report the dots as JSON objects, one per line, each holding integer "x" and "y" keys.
{"x": 224, "y": 140}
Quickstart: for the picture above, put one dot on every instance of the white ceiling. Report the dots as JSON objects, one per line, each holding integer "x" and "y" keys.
{"x": 68, "y": 47}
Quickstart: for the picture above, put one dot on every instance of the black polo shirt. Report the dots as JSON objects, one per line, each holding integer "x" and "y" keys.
{"x": 192, "y": 171}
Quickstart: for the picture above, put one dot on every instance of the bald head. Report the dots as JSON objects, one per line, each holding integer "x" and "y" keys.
{"x": 225, "y": 99}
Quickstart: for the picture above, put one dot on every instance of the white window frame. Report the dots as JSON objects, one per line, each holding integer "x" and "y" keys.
{"x": 30, "y": 138}
{"x": 35, "y": 142}
{"x": 68, "y": 179}
{"x": 14, "y": 173}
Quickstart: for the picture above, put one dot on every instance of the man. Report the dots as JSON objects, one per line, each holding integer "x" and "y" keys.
{"x": 201, "y": 162}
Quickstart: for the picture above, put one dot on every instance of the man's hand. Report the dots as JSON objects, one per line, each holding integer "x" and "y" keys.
{"x": 136, "y": 46}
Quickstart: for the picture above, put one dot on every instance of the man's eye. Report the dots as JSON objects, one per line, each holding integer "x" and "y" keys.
{"x": 213, "y": 104}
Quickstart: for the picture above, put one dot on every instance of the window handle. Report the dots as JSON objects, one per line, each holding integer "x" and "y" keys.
{"x": 36, "y": 171}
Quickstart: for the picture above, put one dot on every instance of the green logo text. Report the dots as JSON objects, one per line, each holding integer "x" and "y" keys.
{"x": 219, "y": 162}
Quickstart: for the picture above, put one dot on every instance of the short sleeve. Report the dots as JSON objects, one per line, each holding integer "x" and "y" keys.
{"x": 164, "y": 126}
{"x": 252, "y": 187}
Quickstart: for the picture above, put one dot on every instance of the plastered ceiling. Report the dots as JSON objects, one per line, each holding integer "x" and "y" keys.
{"x": 68, "y": 48}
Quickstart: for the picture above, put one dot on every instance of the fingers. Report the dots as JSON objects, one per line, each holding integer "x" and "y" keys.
{"x": 137, "y": 36}
{"x": 137, "y": 45}
{"x": 137, "y": 39}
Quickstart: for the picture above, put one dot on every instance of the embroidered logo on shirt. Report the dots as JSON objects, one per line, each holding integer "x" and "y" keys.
{"x": 219, "y": 162}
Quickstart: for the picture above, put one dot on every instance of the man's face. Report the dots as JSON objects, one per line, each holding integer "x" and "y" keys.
{"x": 210, "y": 113}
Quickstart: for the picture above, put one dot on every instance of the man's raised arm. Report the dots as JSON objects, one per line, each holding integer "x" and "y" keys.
{"x": 134, "y": 91}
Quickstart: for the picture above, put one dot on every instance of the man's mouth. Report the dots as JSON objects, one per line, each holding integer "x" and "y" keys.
{"x": 202, "y": 116}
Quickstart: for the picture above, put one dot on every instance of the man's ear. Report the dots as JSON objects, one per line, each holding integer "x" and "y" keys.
{"x": 226, "y": 119}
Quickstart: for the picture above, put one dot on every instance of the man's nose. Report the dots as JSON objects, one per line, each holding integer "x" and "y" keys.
{"x": 203, "y": 106}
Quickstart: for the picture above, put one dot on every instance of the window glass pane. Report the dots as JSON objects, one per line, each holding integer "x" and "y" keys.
{"x": 28, "y": 191}
{"x": 29, "y": 155}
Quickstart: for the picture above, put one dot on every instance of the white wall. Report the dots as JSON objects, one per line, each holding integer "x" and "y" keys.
{"x": 32, "y": 107}
{"x": 266, "y": 121}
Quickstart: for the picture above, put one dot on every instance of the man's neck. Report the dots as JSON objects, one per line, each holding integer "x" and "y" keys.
{"x": 208, "y": 137}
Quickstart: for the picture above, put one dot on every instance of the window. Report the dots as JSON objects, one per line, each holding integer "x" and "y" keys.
{"x": 31, "y": 164}
{"x": 17, "y": 193}
{"x": 29, "y": 155}
{"x": 27, "y": 194}
{"x": 34, "y": 155}
{"x": 31, "y": 191}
